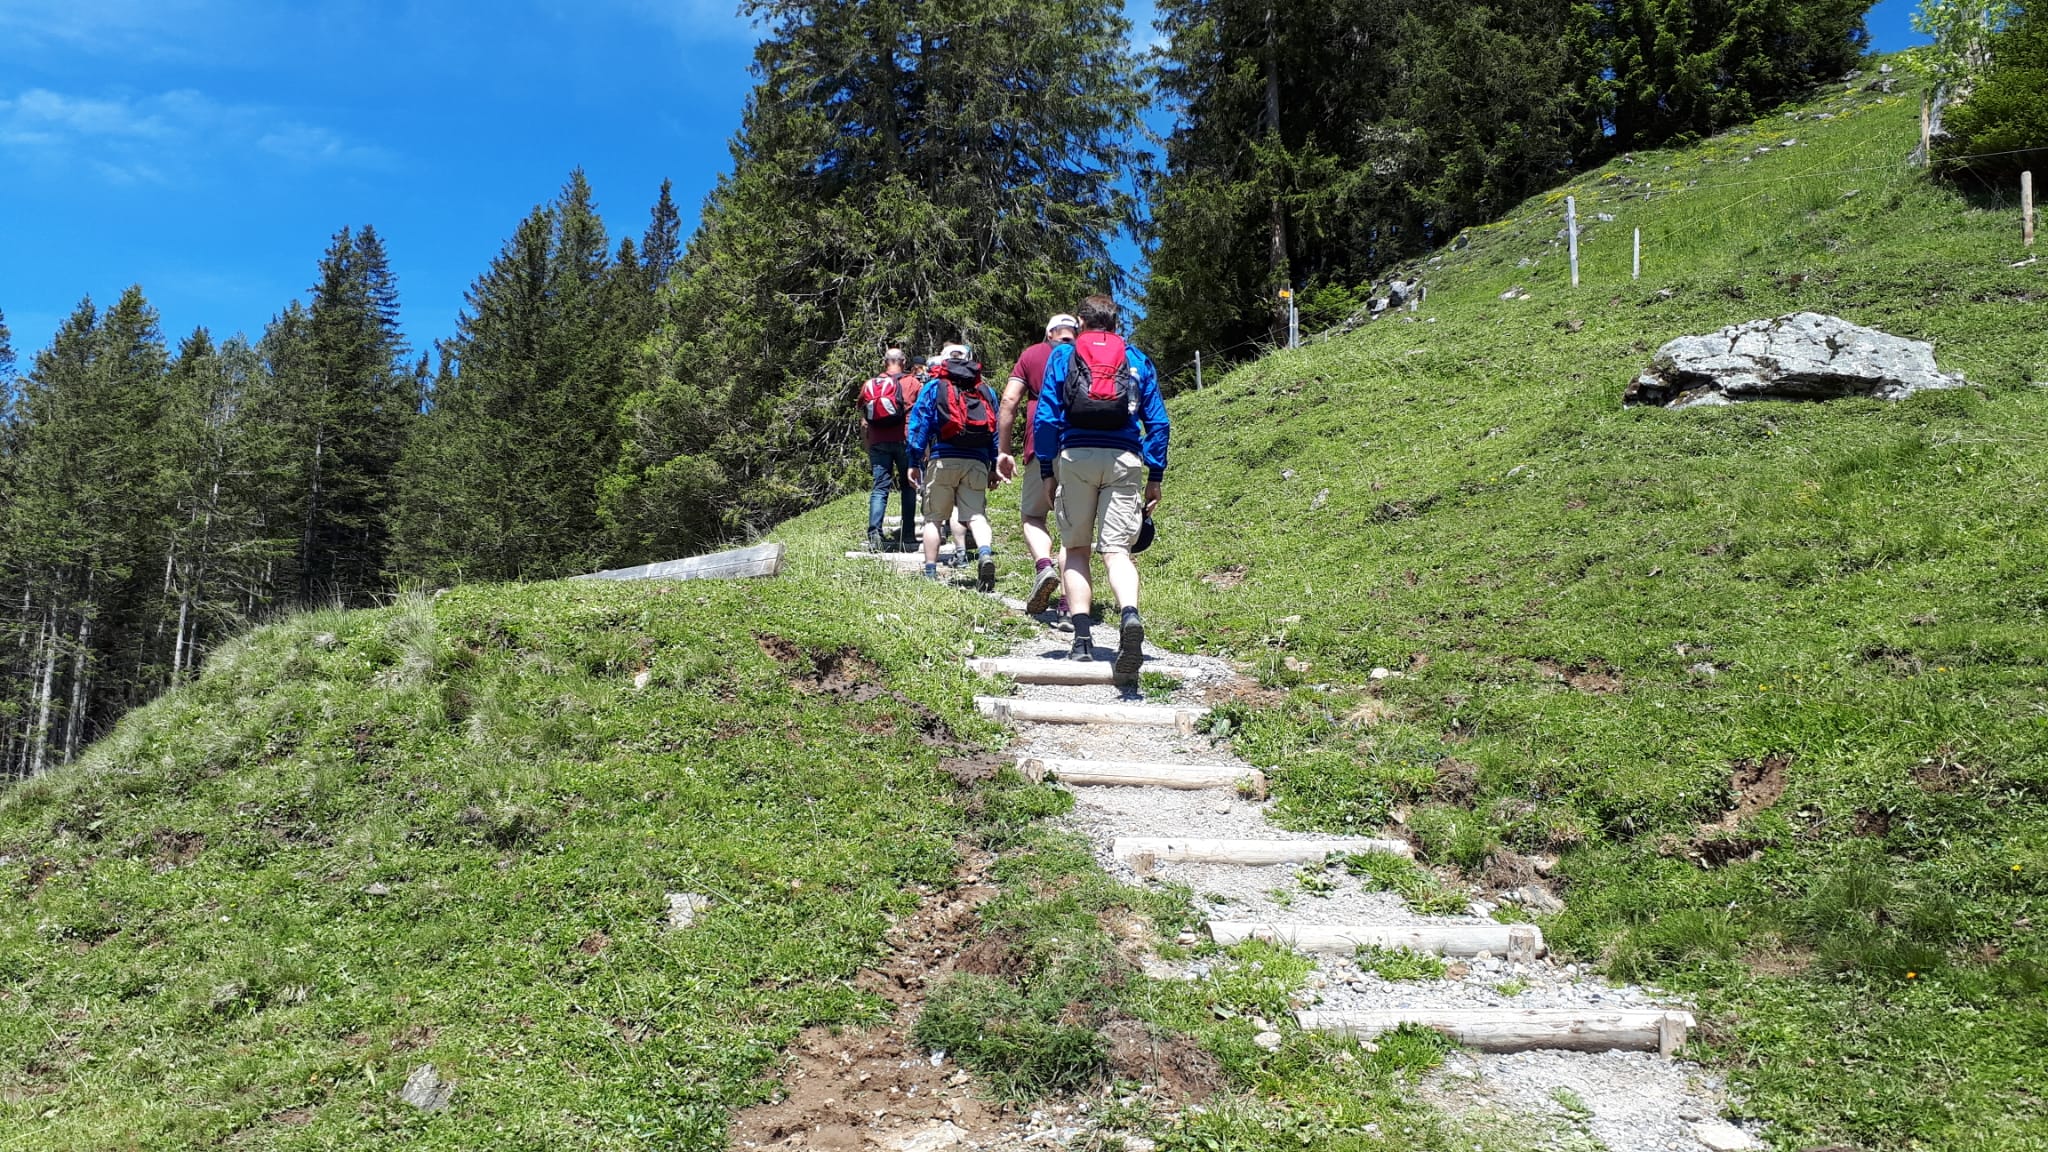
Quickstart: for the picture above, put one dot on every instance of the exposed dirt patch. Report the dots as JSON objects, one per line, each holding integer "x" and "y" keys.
{"x": 841, "y": 673}
{"x": 1371, "y": 711}
{"x": 1456, "y": 781}
{"x": 1248, "y": 695}
{"x": 1754, "y": 785}
{"x": 967, "y": 771}
{"x": 1229, "y": 576}
{"x": 39, "y": 872}
{"x": 1594, "y": 677}
{"x": 1505, "y": 871}
{"x": 994, "y": 955}
{"x": 1176, "y": 1066}
{"x": 874, "y": 1089}
{"x": 1872, "y": 823}
{"x": 1942, "y": 772}
{"x": 174, "y": 849}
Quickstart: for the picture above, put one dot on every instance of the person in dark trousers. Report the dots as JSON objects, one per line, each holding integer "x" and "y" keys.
{"x": 1027, "y": 378}
{"x": 885, "y": 404}
{"x": 1102, "y": 432}
{"x": 953, "y": 425}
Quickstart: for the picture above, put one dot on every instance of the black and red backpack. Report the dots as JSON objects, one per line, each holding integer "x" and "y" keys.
{"x": 1101, "y": 389}
{"x": 967, "y": 417}
{"x": 881, "y": 401}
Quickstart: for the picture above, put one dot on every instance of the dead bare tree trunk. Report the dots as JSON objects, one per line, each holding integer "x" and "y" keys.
{"x": 1277, "y": 272}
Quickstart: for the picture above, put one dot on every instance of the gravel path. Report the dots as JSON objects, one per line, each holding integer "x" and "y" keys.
{"x": 1619, "y": 1101}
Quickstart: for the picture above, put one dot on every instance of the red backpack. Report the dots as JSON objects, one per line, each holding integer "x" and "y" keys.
{"x": 1101, "y": 389}
{"x": 881, "y": 401}
{"x": 967, "y": 417}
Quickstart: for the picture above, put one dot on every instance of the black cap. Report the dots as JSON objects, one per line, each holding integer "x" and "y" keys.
{"x": 1145, "y": 534}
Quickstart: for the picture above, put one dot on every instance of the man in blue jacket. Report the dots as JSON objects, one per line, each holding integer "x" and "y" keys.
{"x": 954, "y": 422}
{"x": 1102, "y": 430}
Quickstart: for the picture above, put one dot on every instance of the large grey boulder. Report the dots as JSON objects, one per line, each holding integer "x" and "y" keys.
{"x": 1804, "y": 356}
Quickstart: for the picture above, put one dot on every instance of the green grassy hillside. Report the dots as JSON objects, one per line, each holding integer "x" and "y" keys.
{"x": 1615, "y": 626}
{"x": 444, "y": 832}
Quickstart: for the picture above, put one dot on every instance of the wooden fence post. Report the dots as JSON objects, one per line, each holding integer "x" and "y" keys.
{"x": 2027, "y": 208}
{"x": 1198, "y": 371}
{"x": 1638, "y": 273}
{"x": 1571, "y": 223}
{"x": 1926, "y": 133}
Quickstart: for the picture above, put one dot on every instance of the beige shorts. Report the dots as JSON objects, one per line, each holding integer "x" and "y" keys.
{"x": 1035, "y": 502}
{"x": 952, "y": 483}
{"x": 1101, "y": 497}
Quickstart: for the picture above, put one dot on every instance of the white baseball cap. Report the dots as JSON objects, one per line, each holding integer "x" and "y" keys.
{"x": 1061, "y": 321}
{"x": 957, "y": 352}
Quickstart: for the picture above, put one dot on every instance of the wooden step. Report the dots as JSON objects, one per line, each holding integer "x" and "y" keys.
{"x": 738, "y": 564}
{"x": 1008, "y": 709}
{"x": 1523, "y": 942}
{"x": 1129, "y": 774}
{"x": 1144, "y": 852}
{"x": 1028, "y": 671}
{"x": 1658, "y": 1030}
{"x": 911, "y": 560}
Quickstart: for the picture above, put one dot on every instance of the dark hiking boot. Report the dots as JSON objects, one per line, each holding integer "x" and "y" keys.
{"x": 986, "y": 576}
{"x": 1130, "y": 644}
{"x": 1042, "y": 590}
{"x": 1083, "y": 649}
{"x": 874, "y": 541}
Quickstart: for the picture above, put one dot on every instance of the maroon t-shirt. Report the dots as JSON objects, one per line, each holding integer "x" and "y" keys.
{"x": 894, "y": 431}
{"x": 1031, "y": 370}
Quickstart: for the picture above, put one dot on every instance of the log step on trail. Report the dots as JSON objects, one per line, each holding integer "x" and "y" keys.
{"x": 1140, "y": 852}
{"x": 1657, "y": 1030}
{"x": 1128, "y": 774}
{"x": 1029, "y": 671}
{"x": 1006, "y": 709}
{"x": 1520, "y": 942}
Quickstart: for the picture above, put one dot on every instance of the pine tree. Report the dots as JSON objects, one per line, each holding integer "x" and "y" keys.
{"x": 2001, "y": 129}
{"x": 499, "y": 483}
{"x": 1683, "y": 69}
{"x": 351, "y": 401}
{"x": 1317, "y": 145}
{"x": 662, "y": 246}
{"x": 915, "y": 171}
{"x": 86, "y": 525}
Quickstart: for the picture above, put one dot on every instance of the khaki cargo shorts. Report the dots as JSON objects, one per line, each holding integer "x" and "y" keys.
{"x": 1036, "y": 500}
{"x": 1101, "y": 497}
{"x": 952, "y": 483}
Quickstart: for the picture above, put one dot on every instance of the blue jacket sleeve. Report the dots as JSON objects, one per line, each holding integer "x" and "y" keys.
{"x": 1051, "y": 426}
{"x": 923, "y": 424}
{"x": 1152, "y": 409}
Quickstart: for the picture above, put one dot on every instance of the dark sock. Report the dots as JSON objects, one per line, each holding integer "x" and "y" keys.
{"x": 932, "y": 570}
{"x": 1130, "y": 614}
{"x": 1083, "y": 624}
{"x": 1044, "y": 564}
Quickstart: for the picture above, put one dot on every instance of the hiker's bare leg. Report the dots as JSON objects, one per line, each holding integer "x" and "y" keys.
{"x": 983, "y": 535}
{"x": 1123, "y": 577}
{"x": 931, "y": 542}
{"x": 1037, "y": 538}
{"x": 1080, "y": 593}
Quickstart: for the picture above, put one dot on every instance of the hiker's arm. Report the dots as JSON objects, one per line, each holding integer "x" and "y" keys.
{"x": 1157, "y": 427}
{"x": 917, "y": 431}
{"x": 1006, "y": 419}
{"x": 1052, "y": 413}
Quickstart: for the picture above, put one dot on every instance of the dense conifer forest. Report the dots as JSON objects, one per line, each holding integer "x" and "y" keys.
{"x": 905, "y": 172}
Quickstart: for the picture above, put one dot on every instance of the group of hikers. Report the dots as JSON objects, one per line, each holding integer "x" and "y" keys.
{"x": 1092, "y": 458}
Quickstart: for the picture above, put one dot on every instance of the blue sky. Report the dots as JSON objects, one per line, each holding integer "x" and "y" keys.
{"x": 207, "y": 149}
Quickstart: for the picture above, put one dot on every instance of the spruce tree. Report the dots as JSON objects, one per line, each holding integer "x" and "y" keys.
{"x": 351, "y": 401}
{"x": 499, "y": 484}
{"x": 915, "y": 171}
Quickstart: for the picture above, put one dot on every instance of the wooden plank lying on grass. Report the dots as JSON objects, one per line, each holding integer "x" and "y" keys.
{"x": 739, "y": 564}
{"x": 1523, "y": 942}
{"x": 1658, "y": 1030}
{"x": 1130, "y": 774}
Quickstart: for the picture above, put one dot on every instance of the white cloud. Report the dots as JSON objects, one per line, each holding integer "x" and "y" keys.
{"x": 165, "y": 138}
{"x": 98, "y": 25}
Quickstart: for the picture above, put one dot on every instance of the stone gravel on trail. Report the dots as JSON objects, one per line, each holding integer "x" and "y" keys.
{"x": 1619, "y": 1101}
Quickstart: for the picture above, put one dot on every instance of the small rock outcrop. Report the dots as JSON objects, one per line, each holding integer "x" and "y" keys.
{"x": 1804, "y": 356}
